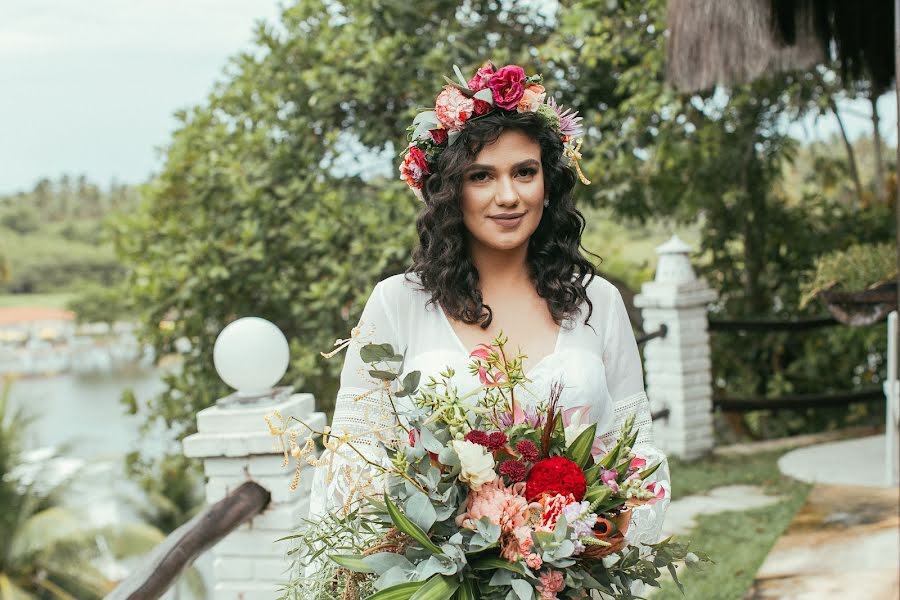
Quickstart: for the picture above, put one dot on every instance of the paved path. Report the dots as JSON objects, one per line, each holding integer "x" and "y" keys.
{"x": 845, "y": 541}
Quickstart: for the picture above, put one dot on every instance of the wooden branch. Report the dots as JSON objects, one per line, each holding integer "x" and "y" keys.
{"x": 162, "y": 566}
{"x": 803, "y": 324}
{"x": 659, "y": 333}
{"x": 798, "y": 401}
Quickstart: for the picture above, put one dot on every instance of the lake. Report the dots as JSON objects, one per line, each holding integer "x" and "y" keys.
{"x": 82, "y": 417}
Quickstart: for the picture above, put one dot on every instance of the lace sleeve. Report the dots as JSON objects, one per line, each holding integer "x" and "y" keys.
{"x": 624, "y": 373}
{"x": 363, "y": 418}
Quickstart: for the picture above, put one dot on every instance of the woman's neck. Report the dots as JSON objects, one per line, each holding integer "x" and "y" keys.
{"x": 498, "y": 268}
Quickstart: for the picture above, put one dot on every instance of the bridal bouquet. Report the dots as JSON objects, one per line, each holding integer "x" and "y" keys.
{"x": 480, "y": 497}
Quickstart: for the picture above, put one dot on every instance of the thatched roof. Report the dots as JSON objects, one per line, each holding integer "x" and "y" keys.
{"x": 727, "y": 42}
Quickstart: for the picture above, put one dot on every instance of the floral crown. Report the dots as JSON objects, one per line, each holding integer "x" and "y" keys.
{"x": 506, "y": 89}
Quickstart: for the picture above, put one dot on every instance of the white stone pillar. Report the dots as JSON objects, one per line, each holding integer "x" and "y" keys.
{"x": 236, "y": 446}
{"x": 678, "y": 367}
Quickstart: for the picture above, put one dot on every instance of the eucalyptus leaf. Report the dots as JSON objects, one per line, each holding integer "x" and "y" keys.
{"x": 462, "y": 80}
{"x": 383, "y": 561}
{"x": 523, "y": 589}
{"x": 420, "y": 510}
{"x": 486, "y": 95}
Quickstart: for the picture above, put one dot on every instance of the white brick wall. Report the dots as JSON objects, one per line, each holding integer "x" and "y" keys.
{"x": 678, "y": 366}
{"x": 237, "y": 447}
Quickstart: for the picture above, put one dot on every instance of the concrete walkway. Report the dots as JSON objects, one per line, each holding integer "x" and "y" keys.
{"x": 845, "y": 541}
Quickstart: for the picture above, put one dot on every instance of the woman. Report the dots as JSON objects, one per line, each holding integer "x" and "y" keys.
{"x": 499, "y": 239}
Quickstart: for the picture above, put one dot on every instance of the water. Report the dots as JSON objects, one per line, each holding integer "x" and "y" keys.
{"x": 83, "y": 411}
{"x": 81, "y": 416}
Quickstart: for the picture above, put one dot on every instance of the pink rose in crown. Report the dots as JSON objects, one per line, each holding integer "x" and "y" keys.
{"x": 453, "y": 108}
{"x": 482, "y": 75}
{"x": 414, "y": 168}
{"x": 508, "y": 86}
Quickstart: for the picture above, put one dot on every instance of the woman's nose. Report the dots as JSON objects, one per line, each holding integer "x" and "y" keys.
{"x": 506, "y": 192}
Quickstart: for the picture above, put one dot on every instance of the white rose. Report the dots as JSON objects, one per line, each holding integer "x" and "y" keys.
{"x": 476, "y": 463}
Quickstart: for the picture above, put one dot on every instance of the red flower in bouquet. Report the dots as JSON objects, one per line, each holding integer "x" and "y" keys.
{"x": 513, "y": 469}
{"x": 528, "y": 450}
{"x": 476, "y": 436}
{"x": 555, "y": 475}
{"x": 496, "y": 440}
{"x": 552, "y": 506}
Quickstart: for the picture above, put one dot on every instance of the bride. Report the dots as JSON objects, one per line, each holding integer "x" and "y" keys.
{"x": 499, "y": 250}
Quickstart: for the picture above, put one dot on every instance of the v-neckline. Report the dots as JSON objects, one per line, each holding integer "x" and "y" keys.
{"x": 466, "y": 352}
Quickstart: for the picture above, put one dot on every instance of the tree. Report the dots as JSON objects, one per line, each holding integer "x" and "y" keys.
{"x": 717, "y": 157}
{"x": 250, "y": 216}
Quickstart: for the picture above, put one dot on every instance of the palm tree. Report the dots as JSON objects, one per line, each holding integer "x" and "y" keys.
{"x": 47, "y": 551}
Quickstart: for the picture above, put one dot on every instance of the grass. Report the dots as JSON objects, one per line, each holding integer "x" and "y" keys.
{"x": 738, "y": 541}
{"x": 52, "y": 300}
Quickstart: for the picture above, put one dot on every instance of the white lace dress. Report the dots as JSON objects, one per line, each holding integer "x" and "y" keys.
{"x": 599, "y": 364}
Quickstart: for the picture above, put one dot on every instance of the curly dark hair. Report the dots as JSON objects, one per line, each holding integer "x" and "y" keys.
{"x": 442, "y": 261}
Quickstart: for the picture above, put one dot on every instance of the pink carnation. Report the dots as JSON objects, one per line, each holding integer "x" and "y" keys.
{"x": 518, "y": 546}
{"x": 552, "y": 508}
{"x": 504, "y": 506}
{"x": 414, "y": 168}
{"x": 551, "y": 583}
{"x": 453, "y": 108}
{"x": 508, "y": 86}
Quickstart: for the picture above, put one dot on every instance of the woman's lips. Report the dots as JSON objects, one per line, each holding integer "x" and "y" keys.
{"x": 507, "y": 220}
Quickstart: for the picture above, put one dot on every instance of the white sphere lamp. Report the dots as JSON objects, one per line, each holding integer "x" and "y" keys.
{"x": 251, "y": 355}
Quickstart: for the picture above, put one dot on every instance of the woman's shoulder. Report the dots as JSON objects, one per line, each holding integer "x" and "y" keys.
{"x": 402, "y": 289}
{"x": 602, "y": 292}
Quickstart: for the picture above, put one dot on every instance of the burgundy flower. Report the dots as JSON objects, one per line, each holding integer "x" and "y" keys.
{"x": 527, "y": 450}
{"x": 496, "y": 439}
{"x": 481, "y": 107}
{"x": 513, "y": 469}
{"x": 477, "y": 436}
{"x": 508, "y": 86}
{"x": 438, "y": 136}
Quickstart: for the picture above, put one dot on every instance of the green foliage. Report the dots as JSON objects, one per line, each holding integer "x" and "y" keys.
{"x": 853, "y": 269}
{"x": 93, "y": 303}
{"x": 718, "y": 159}
{"x": 52, "y": 238}
{"x": 251, "y": 217}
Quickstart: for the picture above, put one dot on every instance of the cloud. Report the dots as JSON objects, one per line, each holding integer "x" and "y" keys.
{"x": 64, "y": 26}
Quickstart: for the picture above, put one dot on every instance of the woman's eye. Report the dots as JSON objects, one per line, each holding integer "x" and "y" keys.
{"x": 478, "y": 176}
{"x": 528, "y": 172}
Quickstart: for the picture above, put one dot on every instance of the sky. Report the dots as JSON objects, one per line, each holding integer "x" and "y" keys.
{"x": 91, "y": 86}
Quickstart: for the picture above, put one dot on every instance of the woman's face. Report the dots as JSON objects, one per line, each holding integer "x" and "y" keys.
{"x": 503, "y": 192}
